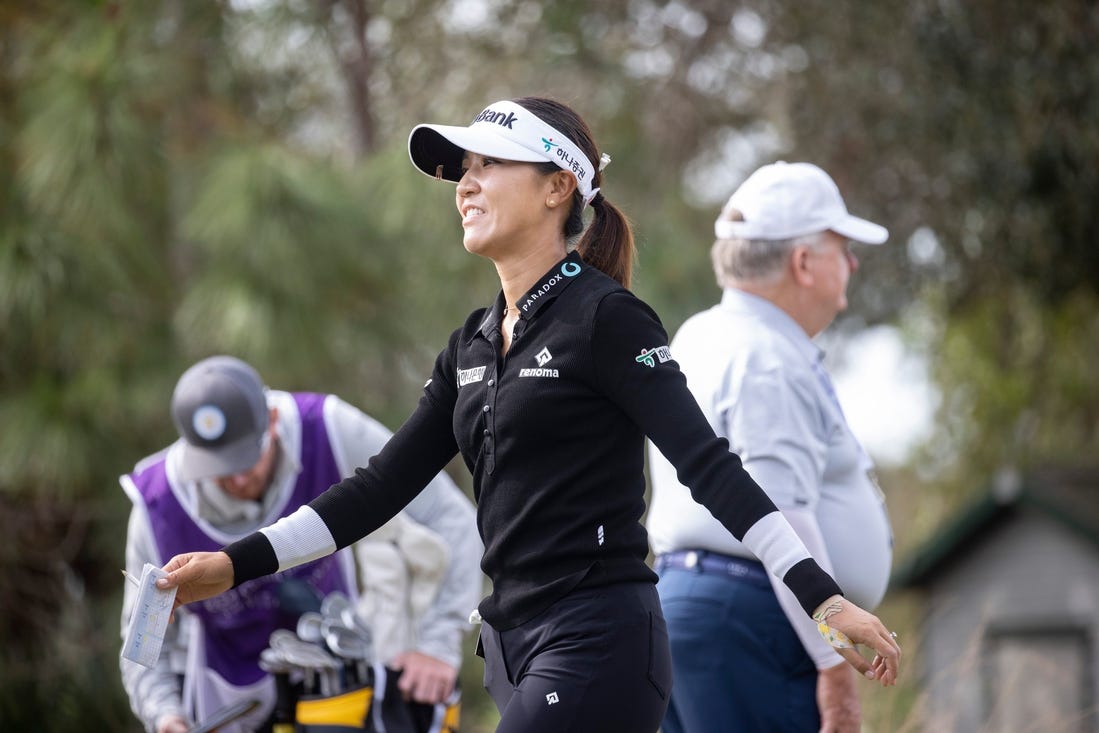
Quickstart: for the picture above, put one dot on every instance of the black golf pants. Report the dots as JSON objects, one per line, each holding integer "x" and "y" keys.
{"x": 596, "y": 661}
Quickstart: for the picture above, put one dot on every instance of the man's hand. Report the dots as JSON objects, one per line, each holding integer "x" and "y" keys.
{"x": 198, "y": 576}
{"x": 838, "y": 700}
{"x": 863, "y": 627}
{"x": 424, "y": 679}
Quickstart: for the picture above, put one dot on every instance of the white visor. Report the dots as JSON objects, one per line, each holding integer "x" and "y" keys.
{"x": 502, "y": 130}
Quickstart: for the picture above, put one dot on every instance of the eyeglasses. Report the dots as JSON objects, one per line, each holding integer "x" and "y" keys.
{"x": 844, "y": 248}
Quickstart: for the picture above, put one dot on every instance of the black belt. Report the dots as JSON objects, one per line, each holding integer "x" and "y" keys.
{"x": 704, "y": 561}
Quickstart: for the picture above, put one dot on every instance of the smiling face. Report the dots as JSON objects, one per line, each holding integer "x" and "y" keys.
{"x": 503, "y": 204}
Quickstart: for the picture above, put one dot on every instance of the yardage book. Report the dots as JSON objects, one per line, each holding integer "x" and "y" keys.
{"x": 145, "y": 634}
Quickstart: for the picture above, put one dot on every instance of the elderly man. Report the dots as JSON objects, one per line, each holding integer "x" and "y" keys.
{"x": 745, "y": 656}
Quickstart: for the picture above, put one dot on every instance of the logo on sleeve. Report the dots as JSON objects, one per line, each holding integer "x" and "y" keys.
{"x": 469, "y": 376}
{"x": 646, "y": 357}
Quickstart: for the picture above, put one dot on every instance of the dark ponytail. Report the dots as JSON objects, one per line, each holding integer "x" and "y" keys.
{"x": 607, "y": 244}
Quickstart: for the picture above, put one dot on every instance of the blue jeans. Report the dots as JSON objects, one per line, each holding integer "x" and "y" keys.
{"x": 737, "y": 664}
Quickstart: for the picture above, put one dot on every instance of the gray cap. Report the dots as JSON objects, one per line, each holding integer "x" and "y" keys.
{"x": 220, "y": 410}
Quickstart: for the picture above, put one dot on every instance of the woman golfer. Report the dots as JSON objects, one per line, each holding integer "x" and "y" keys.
{"x": 548, "y": 395}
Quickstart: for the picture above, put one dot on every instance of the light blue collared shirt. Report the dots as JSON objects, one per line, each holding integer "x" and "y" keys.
{"x": 761, "y": 383}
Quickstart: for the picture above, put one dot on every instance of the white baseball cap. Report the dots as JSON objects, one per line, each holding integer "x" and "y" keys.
{"x": 503, "y": 130}
{"x": 786, "y": 200}
{"x": 219, "y": 407}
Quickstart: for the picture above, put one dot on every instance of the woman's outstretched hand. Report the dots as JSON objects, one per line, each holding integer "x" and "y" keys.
{"x": 197, "y": 576}
{"x": 862, "y": 627}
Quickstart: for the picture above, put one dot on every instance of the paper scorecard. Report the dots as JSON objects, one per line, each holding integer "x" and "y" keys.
{"x": 145, "y": 633}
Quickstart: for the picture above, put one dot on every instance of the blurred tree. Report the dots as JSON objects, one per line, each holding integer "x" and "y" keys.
{"x": 152, "y": 215}
{"x": 968, "y": 128}
{"x": 79, "y": 160}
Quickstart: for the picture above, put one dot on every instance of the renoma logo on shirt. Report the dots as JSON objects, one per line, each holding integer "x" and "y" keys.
{"x": 542, "y": 357}
{"x": 661, "y": 353}
{"x": 469, "y": 376}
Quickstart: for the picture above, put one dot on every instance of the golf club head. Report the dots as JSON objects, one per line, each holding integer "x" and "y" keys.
{"x": 346, "y": 643}
{"x": 309, "y": 627}
{"x": 279, "y": 637}
{"x": 334, "y": 603}
{"x": 353, "y": 620}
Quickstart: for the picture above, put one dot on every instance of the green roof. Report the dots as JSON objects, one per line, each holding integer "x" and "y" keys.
{"x": 1070, "y": 497}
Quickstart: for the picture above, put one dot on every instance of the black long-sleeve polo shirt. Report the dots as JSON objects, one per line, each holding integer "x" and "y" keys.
{"x": 553, "y": 433}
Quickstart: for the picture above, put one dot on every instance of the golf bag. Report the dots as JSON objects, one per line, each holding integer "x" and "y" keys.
{"x": 375, "y": 708}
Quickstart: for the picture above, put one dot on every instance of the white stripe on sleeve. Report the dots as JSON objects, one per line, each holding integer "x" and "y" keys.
{"x": 299, "y": 538}
{"x": 775, "y": 543}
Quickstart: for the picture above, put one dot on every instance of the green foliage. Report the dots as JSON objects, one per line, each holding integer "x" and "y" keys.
{"x": 967, "y": 129}
{"x": 1018, "y": 384}
{"x": 272, "y": 241}
{"x": 972, "y": 120}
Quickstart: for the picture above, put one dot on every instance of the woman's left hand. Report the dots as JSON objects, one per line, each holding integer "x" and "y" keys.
{"x": 863, "y": 627}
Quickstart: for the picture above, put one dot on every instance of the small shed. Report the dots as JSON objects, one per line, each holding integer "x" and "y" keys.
{"x": 1010, "y": 588}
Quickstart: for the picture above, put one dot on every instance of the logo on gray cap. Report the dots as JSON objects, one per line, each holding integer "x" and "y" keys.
{"x": 209, "y": 422}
